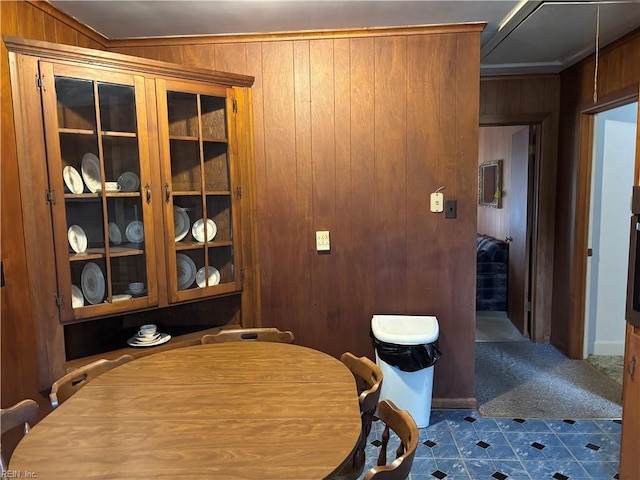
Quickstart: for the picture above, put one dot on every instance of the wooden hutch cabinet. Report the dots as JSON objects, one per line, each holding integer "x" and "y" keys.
{"x": 134, "y": 175}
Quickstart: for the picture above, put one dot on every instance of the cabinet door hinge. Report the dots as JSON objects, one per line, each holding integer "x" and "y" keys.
{"x": 50, "y": 197}
{"x": 38, "y": 81}
{"x": 235, "y": 106}
{"x": 242, "y": 274}
{"x": 532, "y": 149}
{"x": 59, "y": 301}
{"x": 238, "y": 191}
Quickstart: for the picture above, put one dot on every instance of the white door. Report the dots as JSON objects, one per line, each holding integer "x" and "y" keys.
{"x": 611, "y": 185}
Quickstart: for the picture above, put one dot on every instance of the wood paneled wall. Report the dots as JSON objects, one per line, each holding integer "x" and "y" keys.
{"x": 495, "y": 144}
{"x": 518, "y": 100}
{"x": 34, "y": 20}
{"x": 352, "y": 134}
{"x": 618, "y": 77}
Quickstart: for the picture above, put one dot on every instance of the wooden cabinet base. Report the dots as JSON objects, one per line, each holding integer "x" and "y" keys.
{"x": 630, "y": 441}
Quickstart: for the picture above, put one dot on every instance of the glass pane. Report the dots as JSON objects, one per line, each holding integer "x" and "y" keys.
{"x": 187, "y": 210}
{"x": 88, "y": 282}
{"x": 214, "y": 125}
{"x": 183, "y": 114}
{"x": 76, "y": 105}
{"x": 101, "y": 173}
{"x": 221, "y": 266}
{"x": 185, "y": 166}
{"x": 121, "y": 163}
{"x": 216, "y": 167}
{"x": 78, "y": 151}
{"x": 188, "y": 262}
{"x": 117, "y": 108}
{"x": 219, "y": 210}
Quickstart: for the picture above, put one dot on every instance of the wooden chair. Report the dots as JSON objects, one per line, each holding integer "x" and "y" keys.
{"x": 368, "y": 382}
{"x": 249, "y": 335}
{"x": 20, "y": 414}
{"x": 65, "y": 387}
{"x": 401, "y": 422}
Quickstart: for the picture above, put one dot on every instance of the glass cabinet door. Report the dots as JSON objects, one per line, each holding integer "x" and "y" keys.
{"x": 97, "y": 155}
{"x": 199, "y": 188}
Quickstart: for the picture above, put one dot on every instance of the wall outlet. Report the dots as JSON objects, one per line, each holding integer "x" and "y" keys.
{"x": 323, "y": 243}
{"x": 437, "y": 202}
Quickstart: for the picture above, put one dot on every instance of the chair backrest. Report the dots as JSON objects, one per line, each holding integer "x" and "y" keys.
{"x": 19, "y": 415}
{"x": 401, "y": 422}
{"x": 249, "y": 335}
{"x": 368, "y": 383}
{"x": 368, "y": 380}
{"x": 66, "y": 386}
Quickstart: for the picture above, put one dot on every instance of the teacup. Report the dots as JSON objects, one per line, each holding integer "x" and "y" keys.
{"x": 148, "y": 330}
{"x": 136, "y": 287}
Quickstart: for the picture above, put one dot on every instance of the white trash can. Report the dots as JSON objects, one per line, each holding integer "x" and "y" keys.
{"x": 409, "y": 390}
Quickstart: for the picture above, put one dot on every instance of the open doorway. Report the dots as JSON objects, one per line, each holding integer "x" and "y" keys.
{"x": 505, "y": 234}
{"x": 613, "y": 163}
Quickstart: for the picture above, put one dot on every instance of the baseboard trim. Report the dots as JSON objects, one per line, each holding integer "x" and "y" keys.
{"x": 455, "y": 403}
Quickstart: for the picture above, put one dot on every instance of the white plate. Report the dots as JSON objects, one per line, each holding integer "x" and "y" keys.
{"x": 198, "y": 230}
{"x": 214, "y": 277}
{"x": 120, "y": 297}
{"x": 186, "y": 270}
{"x": 181, "y": 222}
{"x": 138, "y": 339}
{"x": 115, "y": 235}
{"x": 72, "y": 179}
{"x": 129, "y": 182}
{"x": 77, "y": 239}
{"x": 134, "y": 342}
{"x": 92, "y": 281}
{"x": 135, "y": 231}
{"x": 77, "y": 299}
{"x": 91, "y": 172}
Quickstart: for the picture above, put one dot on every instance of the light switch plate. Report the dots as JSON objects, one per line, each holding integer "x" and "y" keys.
{"x": 323, "y": 242}
{"x": 437, "y": 202}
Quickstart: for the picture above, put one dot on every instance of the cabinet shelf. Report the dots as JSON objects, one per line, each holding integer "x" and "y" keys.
{"x": 98, "y": 195}
{"x": 186, "y": 193}
{"x": 100, "y": 252}
{"x": 189, "y": 138}
{"x": 197, "y": 245}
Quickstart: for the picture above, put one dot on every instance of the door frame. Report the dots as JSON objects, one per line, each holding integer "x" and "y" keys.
{"x": 543, "y": 199}
{"x": 582, "y": 208}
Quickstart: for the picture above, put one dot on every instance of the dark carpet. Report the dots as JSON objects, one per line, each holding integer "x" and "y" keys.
{"x": 529, "y": 380}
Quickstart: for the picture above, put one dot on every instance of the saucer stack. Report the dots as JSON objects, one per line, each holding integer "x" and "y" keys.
{"x": 148, "y": 336}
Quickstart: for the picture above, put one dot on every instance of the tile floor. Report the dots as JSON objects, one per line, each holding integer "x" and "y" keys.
{"x": 461, "y": 445}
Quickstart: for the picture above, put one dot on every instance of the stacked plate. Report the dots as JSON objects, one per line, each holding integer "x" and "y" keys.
{"x": 148, "y": 341}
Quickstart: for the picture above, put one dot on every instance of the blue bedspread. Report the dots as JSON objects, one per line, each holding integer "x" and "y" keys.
{"x": 491, "y": 284}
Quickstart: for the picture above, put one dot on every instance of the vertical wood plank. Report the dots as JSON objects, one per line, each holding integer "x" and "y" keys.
{"x": 422, "y": 172}
{"x": 202, "y": 56}
{"x": 390, "y": 262}
{"x": 464, "y": 246}
{"x": 342, "y": 240}
{"x": 363, "y": 229}
{"x": 231, "y": 57}
{"x": 302, "y": 302}
{"x": 279, "y": 177}
{"x": 65, "y": 34}
{"x": 30, "y": 21}
{"x": 324, "y": 182}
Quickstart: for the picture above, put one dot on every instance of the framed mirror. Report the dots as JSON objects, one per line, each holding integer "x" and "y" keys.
{"x": 490, "y": 184}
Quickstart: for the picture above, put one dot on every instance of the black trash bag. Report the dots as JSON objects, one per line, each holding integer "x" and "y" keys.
{"x": 408, "y": 358}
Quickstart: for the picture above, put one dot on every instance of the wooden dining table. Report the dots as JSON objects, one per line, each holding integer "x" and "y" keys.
{"x": 236, "y": 410}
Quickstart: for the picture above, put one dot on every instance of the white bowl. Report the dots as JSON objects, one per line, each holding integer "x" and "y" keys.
{"x": 111, "y": 186}
{"x": 136, "y": 287}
